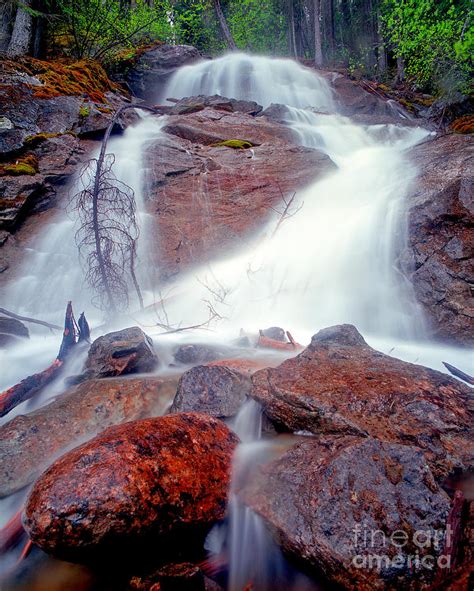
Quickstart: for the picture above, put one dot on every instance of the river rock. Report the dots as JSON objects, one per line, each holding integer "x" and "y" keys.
{"x": 12, "y": 331}
{"x": 147, "y": 483}
{"x": 196, "y": 353}
{"x": 192, "y": 104}
{"x": 339, "y": 384}
{"x": 206, "y": 197}
{"x": 123, "y": 352}
{"x": 276, "y": 333}
{"x": 14, "y": 327}
{"x": 336, "y": 504}
{"x": 213, "y": 390}
{"x": 30, "y": 443}
{"x": 148, "y": 76}
{"x": 439, "y": 255}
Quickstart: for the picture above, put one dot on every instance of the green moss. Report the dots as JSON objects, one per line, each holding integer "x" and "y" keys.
{"x": 26, "y": 165}
{"x": 34, "y": 140}
{"x": 84, "y": 111}
{"x": 19, "y": 169}
{"x": 234, "y": 144}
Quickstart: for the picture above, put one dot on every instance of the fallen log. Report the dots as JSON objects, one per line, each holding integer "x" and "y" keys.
{"x": 27, "y": 319}
{"x": 28, "y": 387}
{"x": 33, "y": 384}
{"x": 11, "y": 533}
{"x": 458, "y": 373}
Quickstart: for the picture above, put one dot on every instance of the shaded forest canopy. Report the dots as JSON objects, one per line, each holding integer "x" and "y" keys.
{"x": 427, "y": 42}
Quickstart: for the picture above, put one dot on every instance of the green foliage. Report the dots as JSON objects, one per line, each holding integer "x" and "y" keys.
{"x": 195, "y": 23}
{"x": 257, "y": 25}
{"x": 84, "y": 111}
{"x": 435, "y": 38}
{"x": 98, "y": 29}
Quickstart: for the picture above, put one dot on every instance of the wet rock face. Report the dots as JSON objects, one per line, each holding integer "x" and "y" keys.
{"x": 53, "y": 131}
{"x": 213, "y": 390}
{"x": 438, "y": 258}
{"x": 148, "y": 77}
{"x": 341, "y": 385}
{"x": 123, "y": 352}
{"x": 12, "y": 331}
{"x": 354, "y": 101}
{"x": 205, "y": 196}
{"x": 144, "y": 482}
{"x": 30, "y": 443}
{"x": 193, "y": 104}
{"x": 339, "y": 503}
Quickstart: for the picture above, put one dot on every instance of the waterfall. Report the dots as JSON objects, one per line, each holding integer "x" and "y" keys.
{"x": 253, "y": 558}
{"x": 255, "y": 78}
{"x": 334, "y": 261}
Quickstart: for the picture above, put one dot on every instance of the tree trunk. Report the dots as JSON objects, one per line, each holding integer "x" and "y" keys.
{"x": 400, "y": 70}
{"x": 22, "y": 35}
{"x": 5, "y": 26}
{"x": 292, "y": 32}
{"x": 224, "y": 27}
{"x": 329, "y": 28}
{"x": 318, "y": 49}
{"x": 381, "y": 51}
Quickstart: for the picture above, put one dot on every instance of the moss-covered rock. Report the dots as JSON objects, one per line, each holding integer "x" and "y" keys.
{"x": 26, "y": 165}
{"x": 234, "y": 144}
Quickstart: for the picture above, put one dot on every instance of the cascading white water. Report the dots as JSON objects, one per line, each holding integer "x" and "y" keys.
{"x": 51, "y": 274}
{"x": 253, "y": 558}
{"x": 255, "y": 78}
{"x": 334, "y": 261}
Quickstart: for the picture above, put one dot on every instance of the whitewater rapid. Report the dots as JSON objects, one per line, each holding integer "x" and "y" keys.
{"x": 334, "y": 261}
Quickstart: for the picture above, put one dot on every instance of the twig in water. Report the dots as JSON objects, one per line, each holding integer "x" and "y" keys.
{"x": 286, "y": 213}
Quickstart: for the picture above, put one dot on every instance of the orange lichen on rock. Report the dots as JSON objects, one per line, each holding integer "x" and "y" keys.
{"x": 61, "y": 78}
{"x": 464, "y": 124}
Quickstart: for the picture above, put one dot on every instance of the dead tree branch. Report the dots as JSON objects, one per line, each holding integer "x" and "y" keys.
{"x": 287, "y": 212}
{"x": 458, "y": 373}
{"x": 33, "y": 384}
{"x": 108, "y": 232}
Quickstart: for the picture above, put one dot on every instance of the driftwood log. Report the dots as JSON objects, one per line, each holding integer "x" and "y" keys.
{"x": 33, "y": 384}
{"x": 458, "y": 373}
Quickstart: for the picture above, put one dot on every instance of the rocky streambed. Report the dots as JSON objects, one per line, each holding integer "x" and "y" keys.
{"x": 368, "y": 477}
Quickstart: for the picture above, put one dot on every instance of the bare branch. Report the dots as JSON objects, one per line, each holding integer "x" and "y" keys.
{"x": 287, "y": 212}
{"x": 32, "y": 320}
{"x": 108, "y": 231}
